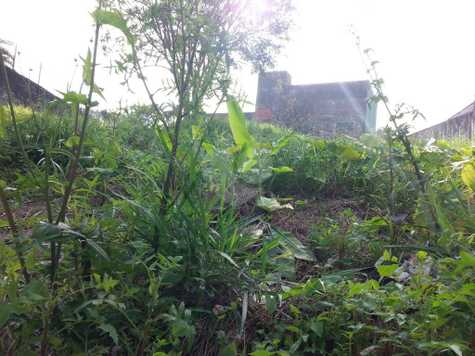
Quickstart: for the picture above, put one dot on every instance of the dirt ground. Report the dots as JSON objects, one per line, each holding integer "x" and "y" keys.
{"x": 301, "y": 220}
{"x": 23, "y": 215}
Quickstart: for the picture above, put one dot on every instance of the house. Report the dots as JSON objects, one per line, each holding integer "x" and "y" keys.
{"x": 459, "y": 126}
{"x": 24, "y": 91}
{"x": 322, "y": 110}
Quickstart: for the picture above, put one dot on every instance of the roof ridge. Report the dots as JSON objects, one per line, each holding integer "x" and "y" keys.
{"x": 333, "y": 83}
{"x": 472, "y": 104}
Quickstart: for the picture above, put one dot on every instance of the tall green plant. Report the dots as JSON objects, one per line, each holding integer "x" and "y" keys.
{"x": 196, "y": 42}
{"x": 89, "y": 76}
{"x": 396, "y": 117}
{"x": 257, "y": 153}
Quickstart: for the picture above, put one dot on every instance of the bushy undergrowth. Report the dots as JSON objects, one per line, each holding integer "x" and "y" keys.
{"x": 204, "y": 276}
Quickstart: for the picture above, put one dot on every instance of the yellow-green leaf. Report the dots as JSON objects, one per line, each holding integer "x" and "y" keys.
{"x": 197, "y": 132}
{"x": 209, "y": 148}
{"x": 87, "y": 68}
{"x": 350, "y": 154}
{"x": 165, "y": 139}
{"x": 468, "y": 175}
{"x": 248, "y": 165}
{"x": 387, "y": 270}
{"x": 237, "y": 123}
{"x": 71, "y": 142}
{"x": 282, "y": 170}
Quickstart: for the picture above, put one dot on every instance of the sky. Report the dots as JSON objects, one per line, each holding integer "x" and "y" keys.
{"x": 425, "y": 47}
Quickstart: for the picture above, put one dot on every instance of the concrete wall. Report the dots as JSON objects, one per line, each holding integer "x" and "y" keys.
{"x": 323, "y": 110}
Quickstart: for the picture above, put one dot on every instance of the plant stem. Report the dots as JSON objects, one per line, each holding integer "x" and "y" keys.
{"x": 15, "y": 234}
{"x": 72, "y": 171}
{"x": 401, "y": 134}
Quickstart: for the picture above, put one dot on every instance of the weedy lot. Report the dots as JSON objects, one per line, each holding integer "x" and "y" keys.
{"x": 295, "y": 246}
{"x": 165, "y": 231}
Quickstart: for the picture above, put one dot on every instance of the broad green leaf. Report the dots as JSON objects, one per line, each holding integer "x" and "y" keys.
{"x": 73, "y": 141}
{"x": 237, "y": 123}
{"x": 283, "y": 142}
{"x": 164, "y": 139}
{"x": 87, "y": 68}
{"x": 468, "y": 175}
{"x": 197, "y": 132}
{"x": 98, "y": 91}
{"x": 111, "y": 331}
{"x": 295, "y": 247}
{"x": 233, "y": 150}
{"x": 209, "y": 148}
{"x": 271, "y": 302}
{"x": 114, "y": 19}
{"x": 422, "y": 255}
{"x": 284, "y": 169}
{"x": 467, "y": 260}
{"x": 387, "y": 270}
{"x": 387, "y": 255}
{"x": 87, "y": 75}
{"x": 261, "y": 353}
{"x": 107, "y": 283}
{"x": 456, "y": 349}
{"x": 248, "y": 165}
{"x": 98, "y": 248}
{"x": 360, "y": 288}
{"x": 350, "y": 154}
{"x": 74, "y": 98}
{"x": 271, "y": 204}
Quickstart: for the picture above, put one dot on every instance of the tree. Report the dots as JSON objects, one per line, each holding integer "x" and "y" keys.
{"x": 192, "y": 46}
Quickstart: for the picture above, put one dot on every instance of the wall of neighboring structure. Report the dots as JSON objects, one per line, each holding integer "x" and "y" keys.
{"x": 459, "y": 127}
{"x": 25, "y": 92}
{"x": 324, "y": 110}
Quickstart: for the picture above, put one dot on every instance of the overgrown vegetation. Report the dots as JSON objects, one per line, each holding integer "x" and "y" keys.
{"x": 167, "y": 231}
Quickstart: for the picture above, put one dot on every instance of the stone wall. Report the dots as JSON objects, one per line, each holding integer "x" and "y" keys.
{"x": 323, "y": 110}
